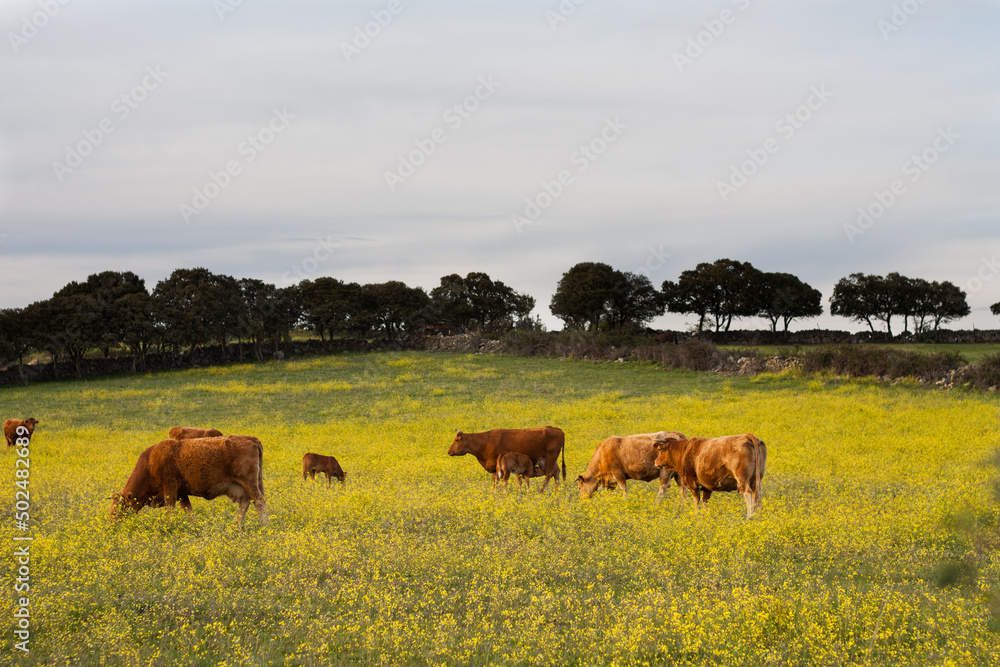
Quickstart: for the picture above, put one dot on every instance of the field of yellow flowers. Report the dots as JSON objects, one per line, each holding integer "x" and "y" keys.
{"x": 876, "y": 543}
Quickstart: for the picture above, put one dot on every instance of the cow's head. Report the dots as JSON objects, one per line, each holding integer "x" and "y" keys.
{"x": 458, "y": 446}
{"x": 122, "y": 504}
{"x": 663, "y": 456}
{"x": 586, "y": 486}
{"x": 30, "y": 423}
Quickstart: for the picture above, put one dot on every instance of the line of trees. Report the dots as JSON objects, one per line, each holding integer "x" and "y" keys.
{"x": 593, "y": 295}
{"x": 870, "y": 299}
{"x": 195, "y": 307}
{"x": 114, "y": 312}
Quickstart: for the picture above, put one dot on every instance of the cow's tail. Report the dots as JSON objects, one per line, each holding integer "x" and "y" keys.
{"x": 260, "y": 468}
{"x": 564, "y": 458}
{"x": 757, "y": 442}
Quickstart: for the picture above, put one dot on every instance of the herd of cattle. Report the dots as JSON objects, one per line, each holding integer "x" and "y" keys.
{"x": 207, "y": 464}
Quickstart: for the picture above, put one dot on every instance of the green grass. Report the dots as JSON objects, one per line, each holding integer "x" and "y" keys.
{"x": 870, "y": 491}
{"x": 971, "y": 352}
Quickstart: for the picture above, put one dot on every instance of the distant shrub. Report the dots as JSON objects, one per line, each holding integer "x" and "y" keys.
{"x": 693, "y": 355}
{"x": 985, "y": 373}
{"x": 883, "y": 362}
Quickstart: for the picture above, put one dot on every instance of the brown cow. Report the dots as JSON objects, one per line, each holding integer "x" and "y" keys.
{"x": 11, "y": 426}
{"x": 537, "y": 443}
{"x": 517, "y": 464}
{"x": 173, "y": 470}
{"x": 729, "y": 463}
{"x": 187, "y": 433}
{"x": 620, "y": 458}
{"x": 314, "y": 463}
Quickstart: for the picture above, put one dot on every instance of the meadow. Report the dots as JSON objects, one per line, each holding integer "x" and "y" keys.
{"x": 876, "y": 543}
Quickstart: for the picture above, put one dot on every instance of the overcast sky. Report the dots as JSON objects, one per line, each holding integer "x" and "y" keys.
{"x": 406, "y": 140}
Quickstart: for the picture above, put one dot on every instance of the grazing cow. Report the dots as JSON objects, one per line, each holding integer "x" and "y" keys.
{"x": 11, "y": 426}
{"x": 705, "y": 465}
{"x": 173, "y": 470}
{"x": 314, "y": 463}
{"x": 620, "y": 458}
{"x": 537, "y": 443}
{"x": 187, "y": 433}
{"x": 518, "y": 464}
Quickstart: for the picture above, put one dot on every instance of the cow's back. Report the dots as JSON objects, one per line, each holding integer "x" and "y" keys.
{"x": 529, "y": 441}
{"x": 637, "y": 455}
{"x": 205, "y": 464}
{"x": 188, "y": 433}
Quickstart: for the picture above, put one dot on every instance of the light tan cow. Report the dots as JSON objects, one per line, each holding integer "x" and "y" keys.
{"x": 623, "y": 457}
{"x": 706, "y": 465}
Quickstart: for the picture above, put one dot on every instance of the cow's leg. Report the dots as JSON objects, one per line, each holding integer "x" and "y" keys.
{"x": 170, "y": 495}
{"x": 705, "y": 495}
{"x": 622, "y": 481}
{"x": 244, "y": 503}
{"x": 328, "y": 479}
{"x": 551, "y": 471}
{"x": 665, "y": 476}
{"x": 751, "y": 505}
{"x": 259, "y": 504}
{"x": 252, "y": 496}
{"x": 550, "y": 474}
{"x": 185, "y": 504}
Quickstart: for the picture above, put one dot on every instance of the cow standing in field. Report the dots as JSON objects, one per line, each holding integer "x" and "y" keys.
{"x": 12, "y": 426}
{"x": 620, "y": 458}
{"x": 173, "y": 470}
{"x": 188, "y": 433}
{"x": 536, "y": 443}
{"x": 706, "y": 465}
{"x": 512, "y": 463}
{"x": 314, "y": 463}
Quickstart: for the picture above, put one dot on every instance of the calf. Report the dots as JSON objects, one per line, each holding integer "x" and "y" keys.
{"x": 314, "y": 463}
{"x": 518, "y": 464}
{"x": 187, "y": 433}
{"x": 705, "y": 465}
{"x": 13, "y": 429}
